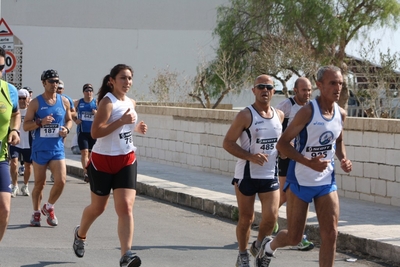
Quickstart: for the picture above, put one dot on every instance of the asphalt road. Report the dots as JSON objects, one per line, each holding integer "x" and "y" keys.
{"x": 165, "y": 235}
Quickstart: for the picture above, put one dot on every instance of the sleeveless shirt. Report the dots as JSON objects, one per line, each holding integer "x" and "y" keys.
{"x": 86, "y": 115}
{"x": 260, "y": 137}
{"x": 47, "y": 137}
{"x": 24, "y": 136}
{"x": 120, "y": 141}
{"x": 317, "y": 138}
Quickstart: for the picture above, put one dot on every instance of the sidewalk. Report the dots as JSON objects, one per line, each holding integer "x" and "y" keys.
{"x": 364, "y": 227}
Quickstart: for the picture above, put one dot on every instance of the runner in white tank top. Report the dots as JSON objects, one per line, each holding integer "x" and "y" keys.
{"x": 260, "y": 137}
{"x": 258, "y": 127}
{"x": 113, "y": 164}
{"x": 290, "y": 106}
{"x": 318, "y": 131}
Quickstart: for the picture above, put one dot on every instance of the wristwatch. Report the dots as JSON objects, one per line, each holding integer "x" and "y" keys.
{"x": 38, "y": 122}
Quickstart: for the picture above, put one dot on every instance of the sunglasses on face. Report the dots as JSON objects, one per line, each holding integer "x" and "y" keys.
{"x": 262, "y": 86}
{"x": 2, "y": 67}
{"x": 22, "y": 98}
{"x": 53, "y": 81}
{"x": 88, "y": 91}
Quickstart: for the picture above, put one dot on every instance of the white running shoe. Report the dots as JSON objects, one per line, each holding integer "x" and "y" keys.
{"x": 14, "y": 191}
{"x": 25, "y": 190}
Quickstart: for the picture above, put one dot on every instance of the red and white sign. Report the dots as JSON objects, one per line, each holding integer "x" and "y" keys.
{"x": 4, "y": 29}
{"x": 10, "y": 62}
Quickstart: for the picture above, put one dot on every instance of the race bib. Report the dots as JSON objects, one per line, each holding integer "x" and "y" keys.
{"x": 125, "y": 141}
{"x": 50, "y": 130}
{"x": 265, "y": 145}
{"x": 314, "y": 151}
{"x": 87, "y": 116}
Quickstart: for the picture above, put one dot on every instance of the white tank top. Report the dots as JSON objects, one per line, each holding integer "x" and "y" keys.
{"x": 120, "y": 141}
{"x": 24, "y": 136}
{"x": 260, "y": 137}
{"x": 317, "y": 138}
{"x": 289, "y": 108}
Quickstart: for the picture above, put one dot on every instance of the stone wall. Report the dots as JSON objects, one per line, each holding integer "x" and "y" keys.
{"x": 192, "y": 138}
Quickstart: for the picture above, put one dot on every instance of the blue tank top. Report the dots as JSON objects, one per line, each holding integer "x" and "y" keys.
{"x": 47, "y": 137}
{"x": 86, "y": 115}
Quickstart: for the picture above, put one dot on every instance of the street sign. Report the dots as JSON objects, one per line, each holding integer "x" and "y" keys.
{"x": 7, "y": 42}
{"x": 4, "y": 29}
{"x": 10, "y": 62}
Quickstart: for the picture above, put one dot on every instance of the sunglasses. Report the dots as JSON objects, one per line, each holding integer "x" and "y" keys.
{"x": 2, "y": 67}
{"x": 88, "y": 91}
{"x": 22, "y": 98}
{"x": 53, "y": 81}
{"x": 262, "y": 86}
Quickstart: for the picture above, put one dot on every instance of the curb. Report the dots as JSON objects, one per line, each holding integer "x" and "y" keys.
{"x": 345, "y": 242}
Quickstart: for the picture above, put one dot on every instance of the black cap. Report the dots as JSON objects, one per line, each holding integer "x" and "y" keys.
{"x": 47, "y": 74}
{"x": 86, "y": 86}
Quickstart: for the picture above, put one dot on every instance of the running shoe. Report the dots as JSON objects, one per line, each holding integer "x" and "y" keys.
{"x": 253, "y": 249}
{"x": 243, "y": 260}
{"x": 130, "y": 259}
{"x": 25, "y": 190}
{"x": 305, "y": 245}
{"x": 276, "y": 228}
{"x": 52, "y": 178}
{"x": 51, "y": 217}
{"x": 35, "y": 220}
{"x": 79, "y": 244}
{"x": 14, "y": 191}
{"x": 263, "y": 259}
{"x": 21, "y": 170}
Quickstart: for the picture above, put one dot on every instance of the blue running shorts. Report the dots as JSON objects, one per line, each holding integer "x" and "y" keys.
{"x": 5, "y": 178}
{"x": 308, "y": 193}
{"x": 43, "y": 157}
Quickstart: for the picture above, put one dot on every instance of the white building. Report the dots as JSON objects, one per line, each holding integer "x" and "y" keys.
{"x": 84, "y": 39}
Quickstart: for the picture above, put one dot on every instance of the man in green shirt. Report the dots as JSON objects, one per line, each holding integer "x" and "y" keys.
{"x": 10, "y": 121}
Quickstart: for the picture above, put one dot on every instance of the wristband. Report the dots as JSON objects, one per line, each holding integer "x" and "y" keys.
{"x": 67, "y": 130}
{"x": 38, "y": 122}
{"x": 15, "y": 130}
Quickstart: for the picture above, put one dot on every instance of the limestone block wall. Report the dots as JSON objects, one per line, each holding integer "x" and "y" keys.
{"x": 373, "y": 145}
{"x": 192, "y": 138}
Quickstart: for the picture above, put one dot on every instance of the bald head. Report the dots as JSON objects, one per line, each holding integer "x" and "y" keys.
{"x": 263, "y": 78}
{"x": 302, "y": 89}
{"x": 301, "y": 82}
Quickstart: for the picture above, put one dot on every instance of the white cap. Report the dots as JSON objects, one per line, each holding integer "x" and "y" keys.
{"x": 23, "y": 93}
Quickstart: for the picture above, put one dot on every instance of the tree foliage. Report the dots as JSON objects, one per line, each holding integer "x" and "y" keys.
{"x": 217, "y": 78}
{"x": 322, "y": 28}
{"x": 375, "y": 81}
{"x": 169, "y": 87}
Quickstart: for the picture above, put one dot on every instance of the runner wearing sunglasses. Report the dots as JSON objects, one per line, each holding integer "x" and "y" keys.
{"x": 49, "y": 117}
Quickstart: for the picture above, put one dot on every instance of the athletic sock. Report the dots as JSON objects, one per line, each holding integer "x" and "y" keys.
{"x": 268, "y": 248}
{"x": 243, "y": 253}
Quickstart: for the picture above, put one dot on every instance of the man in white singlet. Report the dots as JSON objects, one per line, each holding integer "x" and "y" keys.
{"x": 290, "y": 106}
{"x": 317, "y": 129}
{"x": 258, "y": 127}
{"x": 22, "y": 150}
